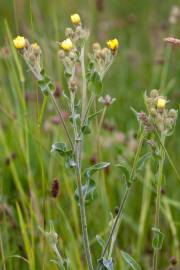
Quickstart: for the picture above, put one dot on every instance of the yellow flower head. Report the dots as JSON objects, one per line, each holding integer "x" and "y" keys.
{"x": 113, "y": 44}
{"x": 35, "y": 46}
{"x": 19, "y": 42}
{"x": 75, "y": 18}
{"x": 66, "y": 44}
{"x": 161, "y": 103}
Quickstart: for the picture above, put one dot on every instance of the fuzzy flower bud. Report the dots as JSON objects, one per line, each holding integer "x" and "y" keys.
{"x": 173, "y": 113}
{"x": 75, "y": 19}
{"x": 69, "y": 32}
{"x": 154, "y": 93}
{"x": 66, "y": 44}
{"x": 96, "y": 46}
{"x": 19, "y": 42}
{"x": 36, "y": 49}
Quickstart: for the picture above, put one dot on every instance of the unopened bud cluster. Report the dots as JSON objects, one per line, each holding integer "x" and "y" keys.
{"x": 70, "y": 49}
{"x": 164, "y": 119}
{"x": 30, "y": 52}
{"x": 102, "y": 58}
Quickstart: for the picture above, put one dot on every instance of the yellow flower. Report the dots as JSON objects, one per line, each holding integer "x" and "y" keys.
{"x": 113, "y": 44}
{"x": 75, "y": 18}
{"x": 161, "y": 103}
{"x": 35, "y": 46}
{"x": 66, "y": 44}
{"x": 19, "y": 42}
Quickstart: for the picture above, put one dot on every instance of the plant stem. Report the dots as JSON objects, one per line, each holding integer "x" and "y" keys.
{"x": 116, "y": 225}
{"x": 116, "y": 222}
{"x": 78, "y": 156}
{"x": 158, "y": 197}
{"x": 61, "y": 117}
{"x": 99, "y": 129}
{"x": 84, "y": 84}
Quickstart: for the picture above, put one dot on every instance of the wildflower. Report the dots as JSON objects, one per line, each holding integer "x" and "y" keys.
{"x": 113, "y": 44}
{"x": 173, "y": 260}
{"x": 75, "y": 19}
{"x": 66, "y": 44}
{"x": 55, "y": 188}
{"x": 19, "y": 42}
{"x": 172, "y": 41}
{"x": 161, "y": 103}
{"x": 106, "y": 100}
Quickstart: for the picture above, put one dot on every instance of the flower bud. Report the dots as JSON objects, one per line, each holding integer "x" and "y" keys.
{"x": 154, "y": 93}
{"x": 69, "y": 32}
{"x": 72, "y": 85}
{"x": 173, "y": 113}
{"x": 153, "y": 112}
{"x": 96, "y": 46}
{"x": 36, "y": 49}
{"x": 61, "y": 54}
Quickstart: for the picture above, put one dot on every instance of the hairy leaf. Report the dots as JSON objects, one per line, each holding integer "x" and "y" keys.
{"x": 130, "y": 261}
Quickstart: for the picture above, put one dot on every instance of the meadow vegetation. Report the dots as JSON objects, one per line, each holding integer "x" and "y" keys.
{"x": 89, "y": 135}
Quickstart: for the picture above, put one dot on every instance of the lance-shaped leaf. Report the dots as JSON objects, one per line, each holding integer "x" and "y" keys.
{"x": 100, "y": 241}
{"x": 157, "y": 239}
{"x": 95, "y": 83}
{"x": 143, "y": 159}
{"x": 97, "y": 167}
{"x": 125, "y": 169}
{"x": 130, "y": 261}
{"x": 106, "y": 264}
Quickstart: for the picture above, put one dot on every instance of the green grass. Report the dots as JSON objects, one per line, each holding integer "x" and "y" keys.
{"x": 27, "y": 133}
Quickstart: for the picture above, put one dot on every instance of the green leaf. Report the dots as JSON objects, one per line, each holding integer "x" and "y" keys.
{"x": 88, "y": 191}
{"x": 45, "y": 83}
{"x": 130, "y": 261}
{"x": 106, "y": 264}
{"x": 100, "y": 240}
{"x": 94, "y": 114}
{"x": 86, "y": 129}
{"x": 143, "y": 159}
{"x": 157, "y": 239}
{"x": 61, "y": 148}
{"x": 124, "y": 167}
{"x": 67, "y": 74}
{"x": 70, "y": 161}
{"x": 96, "y": 83}
{"x": 92, "y": 170}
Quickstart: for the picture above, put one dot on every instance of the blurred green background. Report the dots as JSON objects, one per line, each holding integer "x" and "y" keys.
{"x": 28, "y": 168}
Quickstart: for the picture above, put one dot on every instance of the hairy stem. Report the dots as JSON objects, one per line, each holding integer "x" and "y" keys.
{"x": 61, "y": 117}
{"x": 158, "y": 197}
{"x": 78, "y": 156}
